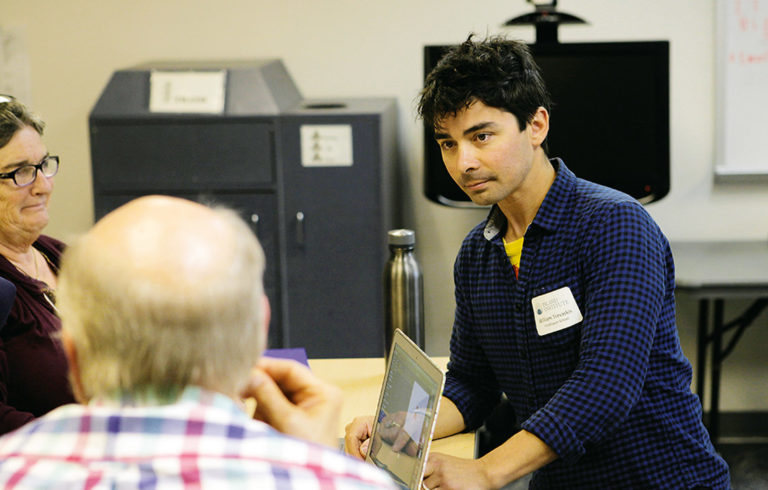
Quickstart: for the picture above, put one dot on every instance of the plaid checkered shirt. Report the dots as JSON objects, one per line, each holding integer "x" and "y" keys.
{"x": 610, "y": 394}
{"x": 204, "y": 440}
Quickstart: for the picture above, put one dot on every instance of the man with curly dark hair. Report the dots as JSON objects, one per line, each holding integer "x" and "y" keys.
{"x": 564, "y": 302}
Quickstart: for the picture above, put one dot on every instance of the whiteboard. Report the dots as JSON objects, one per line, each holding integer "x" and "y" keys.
{"x": 742, "y": 89}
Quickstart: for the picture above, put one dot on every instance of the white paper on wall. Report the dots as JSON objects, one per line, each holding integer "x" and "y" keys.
{"x": 14, "y": 65}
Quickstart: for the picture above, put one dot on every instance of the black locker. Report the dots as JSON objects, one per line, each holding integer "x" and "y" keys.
{"x": 323, "y": 275}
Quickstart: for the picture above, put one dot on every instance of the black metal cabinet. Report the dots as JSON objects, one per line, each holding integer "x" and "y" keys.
{"x": 337, "y": 218}
{"x": 322, "y": 226}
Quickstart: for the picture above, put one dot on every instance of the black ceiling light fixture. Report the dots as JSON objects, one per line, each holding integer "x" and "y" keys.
{"x": 546, "y": 19}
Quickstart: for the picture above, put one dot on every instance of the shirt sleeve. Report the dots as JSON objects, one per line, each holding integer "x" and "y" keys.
{"x": 470, "y": 382}
{"x": 625, "y": 279}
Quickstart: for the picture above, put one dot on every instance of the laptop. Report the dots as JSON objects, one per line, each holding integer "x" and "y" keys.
{"x": 407, "y": 412}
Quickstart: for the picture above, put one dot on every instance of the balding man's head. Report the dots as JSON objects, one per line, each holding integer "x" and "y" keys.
{"x": 164, "y": 240}
{"x": 163, "y": 293}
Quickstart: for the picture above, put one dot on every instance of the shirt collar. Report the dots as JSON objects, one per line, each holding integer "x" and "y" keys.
{"x": 187, "y": 395}
{"x": 495, "y": 223}
{"x": 550, "y": 214}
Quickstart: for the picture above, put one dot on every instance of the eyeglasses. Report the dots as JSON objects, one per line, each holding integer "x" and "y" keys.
{"x": 26, "y": 174}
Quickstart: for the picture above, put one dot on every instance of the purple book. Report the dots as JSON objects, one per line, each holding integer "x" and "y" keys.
{"x": 298, "y": 354}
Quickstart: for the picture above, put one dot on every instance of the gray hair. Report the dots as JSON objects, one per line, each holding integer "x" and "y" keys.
{"x": 141, "y": 337}
{"x": 15, "y": 116}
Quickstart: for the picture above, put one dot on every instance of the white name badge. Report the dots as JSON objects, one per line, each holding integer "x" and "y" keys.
{"x": 555, "y": 311}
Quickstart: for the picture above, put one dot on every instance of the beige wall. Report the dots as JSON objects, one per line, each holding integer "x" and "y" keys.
{"x": 366, "y": 48}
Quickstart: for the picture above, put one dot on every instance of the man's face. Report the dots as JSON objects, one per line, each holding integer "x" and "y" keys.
{"x": 486, "y": 153}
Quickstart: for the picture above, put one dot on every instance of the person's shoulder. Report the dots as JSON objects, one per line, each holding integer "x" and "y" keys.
{"x": 585, "y": 192}
{"x": 46, "y": 428}
{"x": 302, "y": 460}
{"x": 328, "y": 464}
{"x": 601, "y": 212}
{"x": 605, "y": 203}
{"x": 575, "y": 201}
{"x": 608, "y": 218}
{"x": 364, "y": 474}
{"x": 598, "y": 196}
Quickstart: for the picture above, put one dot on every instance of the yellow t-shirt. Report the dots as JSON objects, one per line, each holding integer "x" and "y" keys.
{"x": 514, "y": 252}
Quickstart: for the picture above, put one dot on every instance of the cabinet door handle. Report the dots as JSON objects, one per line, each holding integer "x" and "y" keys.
{"x": 255, "y": 223}
{"x": 300, "y": 228}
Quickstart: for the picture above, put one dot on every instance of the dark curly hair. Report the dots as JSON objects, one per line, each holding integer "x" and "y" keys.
{"x": 15, "y": 116}
{"x": 498, "y": 72}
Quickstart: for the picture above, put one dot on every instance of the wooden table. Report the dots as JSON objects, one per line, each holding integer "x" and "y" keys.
{"x": 361, "y": 379}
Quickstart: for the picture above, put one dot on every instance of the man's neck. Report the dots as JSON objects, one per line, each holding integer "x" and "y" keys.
{"x": 520, "y": 208}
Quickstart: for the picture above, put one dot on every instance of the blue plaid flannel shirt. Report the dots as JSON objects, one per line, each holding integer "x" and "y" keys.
{"x": 610, "y": 395}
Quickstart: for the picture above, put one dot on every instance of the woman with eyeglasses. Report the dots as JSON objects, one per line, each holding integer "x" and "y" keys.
{"x": 33, "y": 369}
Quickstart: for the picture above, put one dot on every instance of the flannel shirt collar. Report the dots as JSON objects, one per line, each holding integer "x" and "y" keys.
{"x": 547, "y": 218}
{"x": 191, "y": 395}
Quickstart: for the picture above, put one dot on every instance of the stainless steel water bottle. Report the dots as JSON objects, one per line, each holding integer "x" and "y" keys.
{"x": 403, "y": 290}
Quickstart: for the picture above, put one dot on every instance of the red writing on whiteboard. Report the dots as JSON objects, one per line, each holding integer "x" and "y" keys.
{"x": 743, "y": 58}
{"x": 751, "y": 18}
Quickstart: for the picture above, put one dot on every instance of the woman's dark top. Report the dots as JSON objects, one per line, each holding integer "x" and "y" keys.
{"x": 33, "y": 368}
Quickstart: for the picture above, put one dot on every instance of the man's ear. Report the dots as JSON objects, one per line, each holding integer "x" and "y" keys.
{"x": 70, "y": 351}
{"x": 539, "y": 126}
{"x": 267, "y": 318}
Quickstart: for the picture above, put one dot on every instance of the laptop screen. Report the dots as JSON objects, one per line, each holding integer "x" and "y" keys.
{"x": 406, "y": 414}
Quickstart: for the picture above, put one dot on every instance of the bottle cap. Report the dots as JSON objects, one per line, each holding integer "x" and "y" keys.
{"x": 402, "y": 237}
